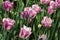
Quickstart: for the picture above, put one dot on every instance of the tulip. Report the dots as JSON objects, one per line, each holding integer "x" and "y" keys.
{"x": 44, "y": 1}
{"x": 54, "y": 4}
{"x": 25, "y": 32}
{"x": 30, "y": 13}
{"x": 36, "y": 8}
{"x": 8, "y": 23}
{"x": 23, "y": 15}
{"x": 46, "y": 22}
{"x": 7, "y": 5}
{"x": 27, "y": 8}
{"x": 43, "y": 37}
{"x": 50, "y": 10}
{"x": 58, "y": 3}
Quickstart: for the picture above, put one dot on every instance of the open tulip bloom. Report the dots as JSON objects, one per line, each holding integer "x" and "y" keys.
{"x": 8, "y": 23}
{"x": 25, "y": 32}
{"x": 7, "y": 5}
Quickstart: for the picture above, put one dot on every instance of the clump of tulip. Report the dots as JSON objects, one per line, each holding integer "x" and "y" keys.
{"x": 30, "y": 12}
{"x": 34, "y": 16}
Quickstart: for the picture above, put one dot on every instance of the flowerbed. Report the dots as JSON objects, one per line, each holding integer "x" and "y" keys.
{"x": 29, "y": 19}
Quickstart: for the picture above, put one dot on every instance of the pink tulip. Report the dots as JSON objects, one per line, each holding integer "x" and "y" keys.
{"x": 7, "y": 5}
{"x": 58, "y": 3}
{"x": 25, "y": 32}
{"x": 36, "y": 8}
{"x": 50, "y": 10}
{"x": 43, "y": 37}
{"x": 46, "y": 22}
{"x": 23, "y": 15}
{"x": 27, "y": 8}
{"x": 8, "y": 23}
{"x": 54, "y": 4}
{"x": 44, "y": 1}
{"x": 30, "y": 13}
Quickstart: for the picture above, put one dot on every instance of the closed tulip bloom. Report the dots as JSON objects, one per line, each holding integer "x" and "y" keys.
{"x": 46, "y": 22}
{"x": 50, "y": 10}
{"x": 43, "y": 37}
{"x": 54, "y": 4}
{"x": 7, "y": 5}
{"x": 44, "y": 1}
{"x": 8, "y": 23}
{"x": 36, "y": 8}
{"x": 25, "y": 32}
